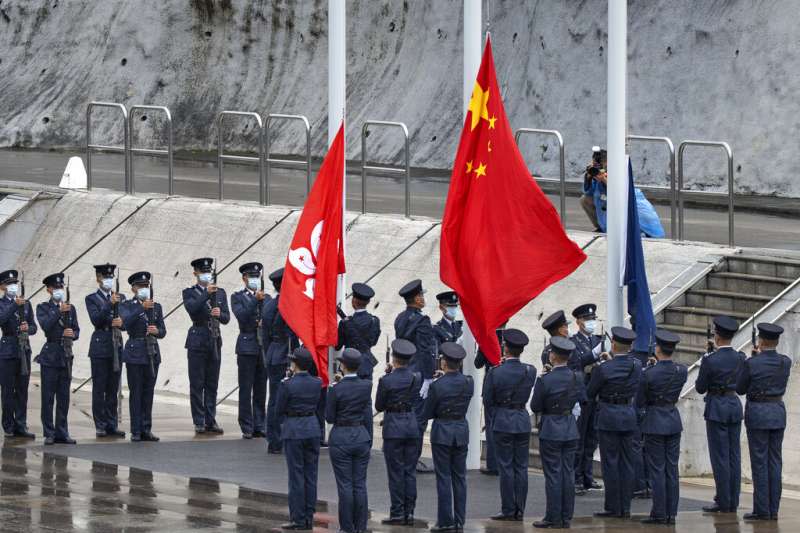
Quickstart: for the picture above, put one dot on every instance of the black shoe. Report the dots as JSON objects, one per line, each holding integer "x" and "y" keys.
{"x": 714, "y": 509}
{"x": 247, "y": 436}
{"x": 48, "y": 441}
{"x": 259, "y": 435}
{"x": 487, "y": 472}
{"x": 100, "y": 433}
{"x": 547, "y": 524}
{"x": 611, "y": 514}
{"x": 215, "y": 429}
{"x": 654, "y": 520}
{"x": 199, "y": 430}
{"x": 24, "y": 434}
{"x": 754, "y": 516}
{"x": 136, "y": 437}
{"x": 440, "y": 529}
{"x": 593, "y": 486}
{"x": 115, "y": 433}
{"x": 504, "y": 517}
{"x": 149, "y": 437}
{"x": 394, "y": 521}
{"x": 294, "y": 526}
{"x": 409, "y": 520}
{"x": 66, "y": 440}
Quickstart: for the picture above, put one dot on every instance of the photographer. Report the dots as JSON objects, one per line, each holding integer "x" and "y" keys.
{"x": 593, "y": 200}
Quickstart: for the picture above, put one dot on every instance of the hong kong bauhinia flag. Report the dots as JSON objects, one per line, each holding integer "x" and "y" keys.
{"x": 316, "y": 258}
{"x": 502, "y": 241}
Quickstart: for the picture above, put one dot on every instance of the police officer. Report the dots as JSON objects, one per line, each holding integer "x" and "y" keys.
{"x": 143, "y": 319}
{"x": 206, "y": 304}
{"x": 105, "y": 379}
{"x": 348, "y": 410}
{"x": 279, "y": 340}
{"x": 719, "y": 371}
{"x": 447, "y": 403}
{"x": 412, "y": 325}
{"x": 506, "y": 392}
{"x": 764, "y": 379}
{"x": 556, "y": 325}
{"x": 14, "y": 374}
{"x": 247, "y": 305}
{"x": 643, "y": 351}
{"x": 491, "y": 458}
{"x": 615, "y": 384}
{"x": 448, "y": 329}
{"x": 587, "y": 349}
{"x": 58, "y": 321}
{"x": 662, "y": 383}
{"x": 397, "y": 394}
{"x": 298, "y": 397}
{"x": 554, "y": 397}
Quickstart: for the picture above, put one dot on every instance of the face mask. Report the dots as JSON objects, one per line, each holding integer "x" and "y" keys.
{"x": 107, "y": 284}
{"x": 12, "y": 290}
{"x": 143, "y": 293}
{"x": 451, "y": 312}
{"x": 590, "y": 326}
{"x": 253, "y": 283}
{"x": 59, "y": 295}
{"x": 204, "y": 277}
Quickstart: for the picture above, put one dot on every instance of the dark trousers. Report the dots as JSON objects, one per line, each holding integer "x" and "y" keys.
{"x": 587, "y": 444}
{"x": 252, "y": 393}
{"x": 302, "y": 461}
{"x": 350, "y": 461}
{"x": 558, "y": 463}
{"x": 616, "y": 458}
{"x": 513, "y": 451}
{"x": 14, "y": 392}
{"x": 203, "y": 382}
{"x": 55, "y": 389}
{"x": 641, "y": 476}
{"x": 724, "y": 448}
{"x": 419, "y": 408}
{"x": 275, "y": 374}
{"x": 491, "y": 453}
{"x": 662, "y": 453}
{"x": 323, "y": 397}
{"x": 766, "y": 462}
{"x": 450, "y": 464}
{"x": 141, "y": 384}
{"x": 105, "y": 388}
{"x": 401, "y": 467}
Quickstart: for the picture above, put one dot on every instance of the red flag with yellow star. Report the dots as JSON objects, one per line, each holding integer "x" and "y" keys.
{"x": 502, "y": 241}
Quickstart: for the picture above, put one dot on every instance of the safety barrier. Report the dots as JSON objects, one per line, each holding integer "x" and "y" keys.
{"x": 683, "y": 192}
{"x": 562, "y": 173}
{"x": 222, "y": 156}
{"x": 132, "y": 150}
{"x": 406, "y": 170}
{"x": 673, "y": 194}
{"x": 90, "y": 147}
{"x": 291, "y": 163}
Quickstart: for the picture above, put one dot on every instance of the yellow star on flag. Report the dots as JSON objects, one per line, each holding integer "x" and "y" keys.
{"x": 492, "y": 121}
{"x": 469, "y": 167}
{"x": 477, "y": 105}
{"x": 480, "y": 171}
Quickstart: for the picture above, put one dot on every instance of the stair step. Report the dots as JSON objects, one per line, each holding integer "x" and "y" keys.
{"x": 726, "y": 294}
{"x": 751, "y": 277}
{"x": 766, "y": 259}
{"x": 677, "y": 328}
{"x": 709, "y": 312}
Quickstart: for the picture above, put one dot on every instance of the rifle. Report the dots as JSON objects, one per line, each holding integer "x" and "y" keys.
{"x": 22, "y": 336}
{"x": 388, "y": 350}
{"x": 259, "y": 331}
{"x": 116, "y": 334}
{"x": 149, "y": 340}
{"x": 753, "y": 339}
{"x": 709, "y": 339}
{"x": 66, "y": 343}
{"x": 213, "y": 322}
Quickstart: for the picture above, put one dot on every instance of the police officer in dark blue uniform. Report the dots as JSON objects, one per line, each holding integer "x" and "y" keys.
{"x": 279, "y": 340}
{"x": 557, "y": 325}
{"x": 143, "y": 319}
{"x": 105, "y": 381}
{"x": 491, "y": 458}
{"x": 397, "y": 394}
{"x": 58, "y": 321}
{"x": 764, "y": 379}
{"x": 415, "y": 327}
{"x": 348, "y": 410}
{"x": 615, "y": 383}
{"x": 506, "y": 393}
{"x": 298, "y": 397}
{"x": 448, "y": 329}
{"x": 14, "y": 373}
{"x": 662, "y": 383}
{"x": 206, "y": 304}
{"x": 247, "y": 305}
{"x": 587, "y": 349}
{"x": 554, "y": 397}
{"x": 447, "y": 403}
{"x": 719, "y": 371}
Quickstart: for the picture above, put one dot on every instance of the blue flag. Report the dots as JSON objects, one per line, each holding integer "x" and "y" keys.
{"x": 640, "y": 307}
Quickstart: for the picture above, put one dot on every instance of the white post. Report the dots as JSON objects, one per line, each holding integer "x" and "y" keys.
{"x": 473, "y": 42}
{"x": 617, "y": 167}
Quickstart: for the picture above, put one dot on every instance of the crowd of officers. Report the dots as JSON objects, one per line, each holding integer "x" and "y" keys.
{"x": 618, "y": 398}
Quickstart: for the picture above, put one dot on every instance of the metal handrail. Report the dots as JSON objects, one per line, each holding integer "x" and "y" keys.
{"x": 222, "y": 156}
{"x": 673, "y": 193}
{"x": 287, "y": 162}
{"x": 389, "y": 170}
{"x": 682, "y": 191}
{"x": 147, "y": 151}
{"x": 117, "y": 149}
{"x": 562, "y": 172}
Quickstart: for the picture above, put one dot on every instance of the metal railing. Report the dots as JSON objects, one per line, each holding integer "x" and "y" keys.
{"x": 132, "y": 151}
{"x": 222, "y": 156}
{"x": 562, "y": 172}
{"x": 291, "y": 163}
{"x": 89, "y": 146}
{"x": 683, "y": 192}
{"x": 406, "y": 170}
{"x": 673, "y": 193}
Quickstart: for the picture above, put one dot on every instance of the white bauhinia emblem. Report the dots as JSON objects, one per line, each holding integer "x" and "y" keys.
{"x": 305, "y": 260}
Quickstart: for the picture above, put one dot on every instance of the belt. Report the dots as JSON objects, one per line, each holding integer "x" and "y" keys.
{"x": 137, "y": 337}
{"x": 563, "y": 412}
{"x": 449, "y": 417}
{"x": 722, "y": 392}
{"x": 513, "y": 406}
{"x": 765, "y": 399}
{"x": 247, "y": 331}
{"x": 300, "y": 414}
{"x": 616, "y": 401}
{"x": 103, "y": 329}
{"x": 398, "y": 409}
{"x": 661, "y": 404}
{"x": 348, "y": 423}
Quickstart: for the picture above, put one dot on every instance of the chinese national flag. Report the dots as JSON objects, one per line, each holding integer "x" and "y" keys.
{"x": 316, "y": 258}
{"x": 502, "y": 241}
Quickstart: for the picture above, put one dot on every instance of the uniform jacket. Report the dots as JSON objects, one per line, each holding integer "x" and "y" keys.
{"x": 398, "y": 391}
{"x": 554, "y": 396}
{"x": 99, "y": 308}
{"x": 583, "y": 351}
{"x": 278, "y": 337}
{"x": 616, "y": 380}
{"x": 9, "y": 322}
{"x": 197, "y": 301}
{"x": 506, "y": 391}
{"x": 573, "y": 363}
{"x": 661, "y": 387}
{"x": 346, "y": 405}
{"x": 415, "y": 327}
{"x": 299, "y": 395}
{"x": 247, "y": 311}
{"x": 134, "y": 321}
{"x": 448, "y": 330}
{"x": 447, "y": 403}
{"x": 765, "y": 375}
{"x": 719, "y": 371}
{"x": 52, "y": 325}
{"x": 361, "y": 332}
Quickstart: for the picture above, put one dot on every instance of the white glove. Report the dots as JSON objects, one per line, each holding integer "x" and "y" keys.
{"x": 576, "y": 410}
{"x": 423, "y": 391}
